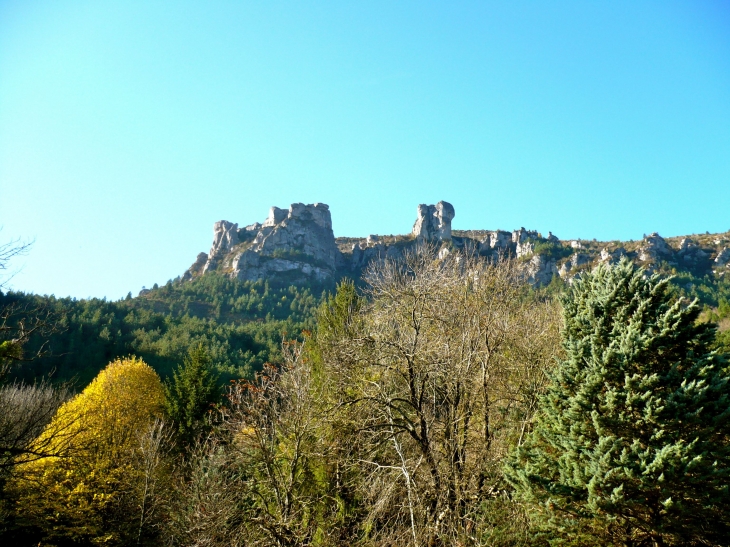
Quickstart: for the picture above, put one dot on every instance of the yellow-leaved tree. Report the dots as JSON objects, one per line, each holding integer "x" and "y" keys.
{"x": 97, "y": 494}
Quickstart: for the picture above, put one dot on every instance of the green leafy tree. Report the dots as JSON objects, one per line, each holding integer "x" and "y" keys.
{"x": 631, "y": 440}
{"x": 337, "y": 314}
{"x": 191, "y": 394}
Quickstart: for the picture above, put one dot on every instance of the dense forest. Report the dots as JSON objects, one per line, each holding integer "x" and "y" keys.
{"x": 434, "y": 402}
{"x": 242, "y": 325}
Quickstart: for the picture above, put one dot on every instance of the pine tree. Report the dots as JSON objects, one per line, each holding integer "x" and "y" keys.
{"x": 631, "y": 441}
{"x": 191, "y": 394}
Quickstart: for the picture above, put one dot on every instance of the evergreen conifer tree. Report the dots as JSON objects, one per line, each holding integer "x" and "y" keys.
{"x": 631, "y": 441}
{"x": 191, "y": 393}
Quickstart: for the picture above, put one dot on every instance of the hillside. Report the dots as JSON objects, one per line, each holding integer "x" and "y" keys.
{"x": 264, "y": 282}
{"x": 242, "y": 324}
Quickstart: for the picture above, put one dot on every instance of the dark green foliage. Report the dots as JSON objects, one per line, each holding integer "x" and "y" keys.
{"x": 240, "y": 323}
{"x": 191, "y": 393}
{"x": 550, "y": 249}
{"x": 336, "y": 314}
{"x": 723, "y": 309}
{"x": 630, "y": 445}
{"x": 723, "y": 342}
{"x": 708, "y": 289}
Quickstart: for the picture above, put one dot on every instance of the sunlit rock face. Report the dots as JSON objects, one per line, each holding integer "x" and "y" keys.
{"x": 297, "y": 245}
{"x": 654, "y": 247}
{"x": 434, "y": 222}
{"x": 225, "y": 237}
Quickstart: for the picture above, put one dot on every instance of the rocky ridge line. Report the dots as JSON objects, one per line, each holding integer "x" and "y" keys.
{"x": 298, "y": 246}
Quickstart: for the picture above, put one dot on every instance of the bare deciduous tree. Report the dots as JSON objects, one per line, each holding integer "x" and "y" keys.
{"x": 154, "y": 445}
{"x": 275, "y": 425}
{"x": 205, "y": 506}
{"x": 25, "y": 411}
{"x": 439, "y": 373}
{"x": 8, "y": 251}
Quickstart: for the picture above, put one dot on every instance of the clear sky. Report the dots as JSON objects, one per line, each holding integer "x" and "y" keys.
{"x": 128, "y": 128}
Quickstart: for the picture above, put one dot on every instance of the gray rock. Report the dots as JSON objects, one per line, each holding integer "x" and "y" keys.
{"x": 723, "y": 257}
{"x": 297, "y": 244}
{"x": 518, "y": 236}
{"x": 275, "y": 217}
{"x": 540, "y": 270}
{"x": 612, "y": 256}
{"x": 498, "y": 240}
{"x": 579, "y": 259}
{"x": 434, "y": 222}
{"x": 654, "y": 247}
{"x": 197, "y": 268}
{"x": 225, "y": 237}
{"x": 524, "y": 248}
{"x": 690, "y": 253}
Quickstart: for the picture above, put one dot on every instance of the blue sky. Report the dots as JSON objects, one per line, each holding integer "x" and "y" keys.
{"x": 128, "y": 128}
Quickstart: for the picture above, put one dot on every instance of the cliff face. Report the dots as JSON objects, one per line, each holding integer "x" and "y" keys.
{"x": 298, "y": 246}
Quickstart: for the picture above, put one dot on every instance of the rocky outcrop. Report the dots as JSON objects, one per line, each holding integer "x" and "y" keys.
{"x": 723, "y": 257}
{"x": 297, "y": 245}
{"x": 654, "y": 247}
{"x": 576, "y": 261}
{"x": 197, "y": 268}
{"x": 691, "y": 255}
{"x": 495, "y": 241}
{"x": 540, "y": 270}
{"x": 225, "y": 237}
{"x": 291, "y": 245}
{"x": 434, "y": 222}
{"x": 612, "y": 256}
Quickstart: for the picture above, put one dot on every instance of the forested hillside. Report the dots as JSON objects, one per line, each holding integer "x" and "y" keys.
{"x": 242, "y": 325}
{"x": 442, "y": 401}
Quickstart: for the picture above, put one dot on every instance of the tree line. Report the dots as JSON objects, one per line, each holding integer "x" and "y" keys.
{"x": 444, "y": 402}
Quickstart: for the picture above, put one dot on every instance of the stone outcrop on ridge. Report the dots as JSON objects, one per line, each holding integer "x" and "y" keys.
{"x": 297, "y": 245}
{"x": 434, "y": 222}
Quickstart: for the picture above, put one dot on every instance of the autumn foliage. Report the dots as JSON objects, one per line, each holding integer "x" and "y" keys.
{"x": 91, "y": 495}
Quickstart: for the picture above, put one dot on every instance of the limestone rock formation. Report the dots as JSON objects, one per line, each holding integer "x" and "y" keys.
{"x": 197, "y": 268}
{"x": 434, "y": 222}
{"x": 292, "y": 245}
{"x": 654, "y": 247}
{"x": 225, "y": 237}
{"x": 612, "y": 256}
{"x": 297, "y": 245}
{"x": 540, "y": 270}
{"x": 691, "y": 254}
{"x": 723, "y": 257}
